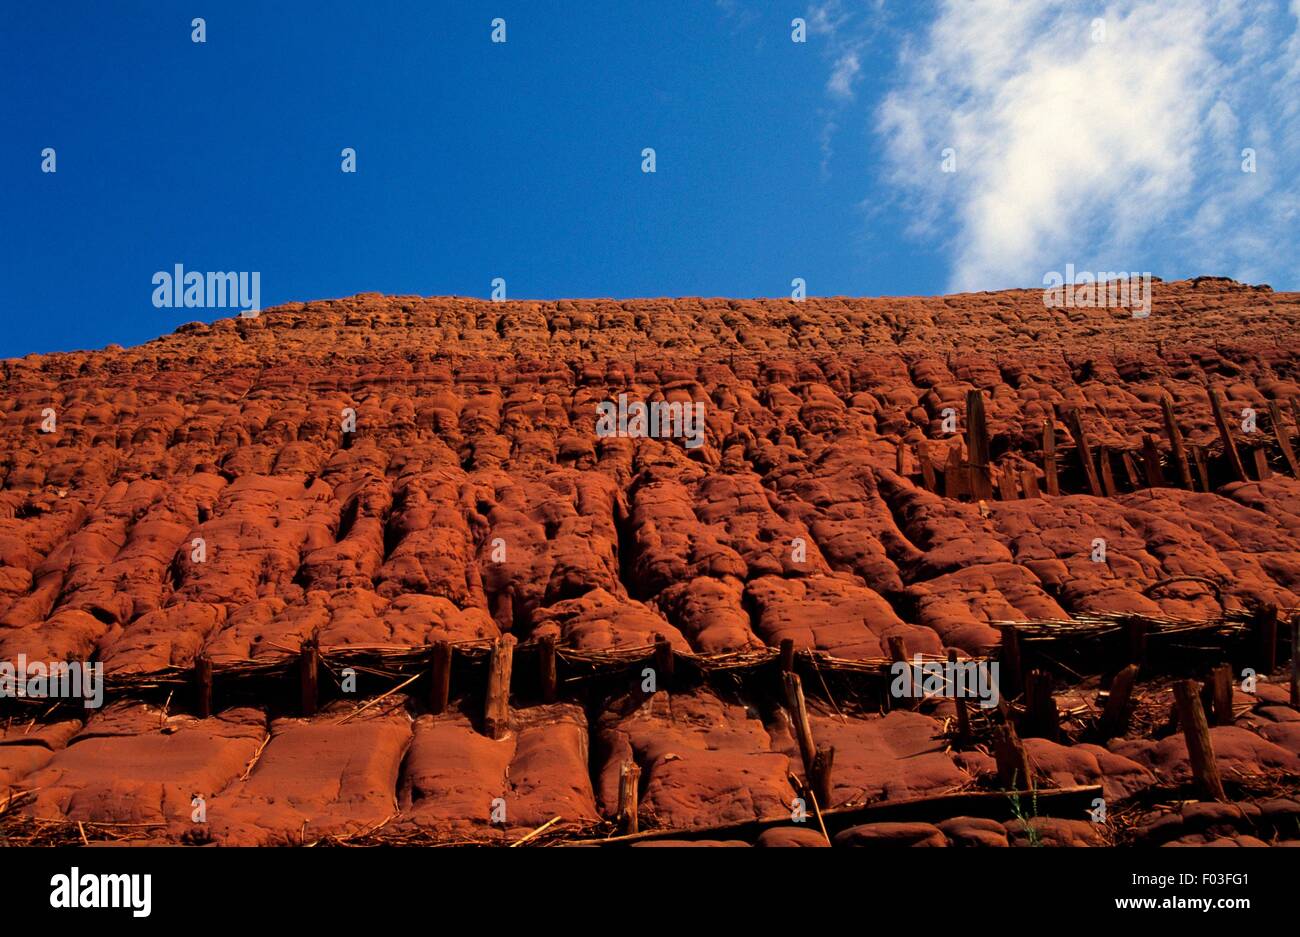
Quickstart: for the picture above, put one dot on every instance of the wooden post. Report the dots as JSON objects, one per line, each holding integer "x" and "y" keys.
{"x": 441, "y": 677}
{"x": 496, "y": 713}
{"x": 1085, "y": 453}
{"x": 1042, "y": 718}
{"x": 897, "y": 648}
{"x": 960, "y": 704}
{"x": 1049, "y": 457}
{"x": 795, "y": 705}
{"x": 1259, "y": 461}
{"x": 629, "y": 782}
{"x": 1225, "y": 433}
{"x": 1009, "y": 663}
{"x": 1013, "y": 764}
{"x": 1200, "y": 750}
{"x": 1220, "y": 684}
{"x": 1029, "y": 482}
{"x": 663, "y": 663}
{"x": 1295, "y": 661}
{"x": 1202, "y": 467}
{"x": 1007, "y": 489}
{"x": 955, "y": 477}
{"x": 308, "y": 671}
{"x": 203, "y": 684}
{"x": 1151, "y": 461}
{"x": 900, "y": 460}
{"x": 927, "y": 467}
{"x": 1177, "y": 453}
{"x": 1107, "y": 472}
{"x": 546, "y": 668}
{"x": 1135, "y": 631}
{"x": 823, "y": 763}
{"x": 1283, "y": 438}
{"x": 1263, "y": 625}
{"x": 1130, "y": 469}
{"x": 786, "y": 657}
{"x": 1114, "y": 715}
{"x": 977, "y": 445}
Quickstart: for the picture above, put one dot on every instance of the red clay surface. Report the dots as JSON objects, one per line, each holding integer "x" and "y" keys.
{"x": 475, "y": 499}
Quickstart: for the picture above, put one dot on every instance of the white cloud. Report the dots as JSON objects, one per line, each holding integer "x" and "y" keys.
{"x": 1116, "y": 155}
{"x": 844, "y": 75}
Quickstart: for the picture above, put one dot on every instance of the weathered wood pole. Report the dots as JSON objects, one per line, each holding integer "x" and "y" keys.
{"x": 496, "y": 715}
{"x": 977, "y": 445}
{"x": 798, "y": 709}
{"x": 440, "y": 689}
{"x": 1200, "y": 750}
{"x": 1049, "y": 457}
{"x": 1085, "y": 453}
{"x": 547, "y": 668}
{"x": 1115, "y": 714}
{"x": 1225, "y": 433}
{"x": 203, "y": 684}
{"x": 1013, "y": 764}
{"x": 1178, "y": 453}
{"x": 308, "y": 673}
{"x": 629, "y": 782}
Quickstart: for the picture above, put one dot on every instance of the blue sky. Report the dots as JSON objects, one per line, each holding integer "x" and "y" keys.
{"x": 522, "y": 160}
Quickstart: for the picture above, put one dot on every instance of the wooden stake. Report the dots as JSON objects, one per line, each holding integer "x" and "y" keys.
{"x": 823, "y": 763}
{"x": 496, "y": 711}
{"x": 963, "y": 713}
{"x": 786, "y": 656}
{"x": 927, "y": 467}
{"x": 1225, "y": 434}
{"x": 1263, "y": 624}
{"x": 1259, "y": 457}
{"x": 629, "y": 783}
{"x": 795, "y": 705}
{"x": 1220, "y": 684}
{"x": 1202, "y": 468}
{"x": 1151, "y": 462}
{"x": 308, "y": 671}
{"x": 977, "y": 444}
{"x": 1130, "y": 469}
{"x": 1029, "y": 482}
{"x": 1007, "y": 489}
{"x": 955, "y": 476}
{"x": 547, "y": 668}
{"x": 441, "y": 677}
{"x": 1283, "y": 438}
{"x": 1013, "y": 764}
{"x": 1135, "y": 630}
{"x": 1042, "y": 718}
{"x": 1085, "y": 453}
{"x": 1295, "y": 661}
{"x": 897, "y": 648}
{"x": 1114, "y": 715}
{"x": 1009, "y": 663}
{"x": 1200, "y": 750}
{"x": 1177, "y": 452}
{"x": 1049, "y": 457}
{"x": 203, "y": 684}
{"x": 663, "y": 663}
{"x": 1107, "y": 472}
{"x": 900, "y": 460}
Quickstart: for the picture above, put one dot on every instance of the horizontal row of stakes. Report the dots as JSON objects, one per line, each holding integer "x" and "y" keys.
{"x": 975, "y": 475}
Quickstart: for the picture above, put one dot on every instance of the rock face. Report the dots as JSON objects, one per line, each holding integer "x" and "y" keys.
{"x": 387, "y": 472}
